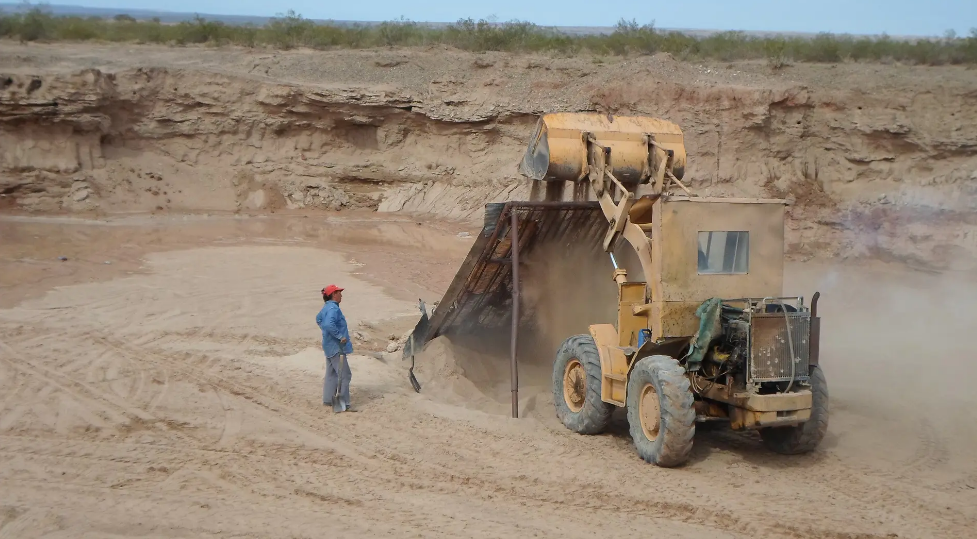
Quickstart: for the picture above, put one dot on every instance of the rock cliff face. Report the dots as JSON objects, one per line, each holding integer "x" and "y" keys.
{"x": 206, "y": 141}
{"x": 883, "y": 167}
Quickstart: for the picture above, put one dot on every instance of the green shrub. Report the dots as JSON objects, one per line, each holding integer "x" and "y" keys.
{"x": 8, "y": 25}
{"x": 35, "y": 25}
{"x": 291, "y": 30}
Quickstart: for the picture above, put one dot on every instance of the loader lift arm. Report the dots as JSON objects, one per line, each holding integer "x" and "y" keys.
{"x": 618, "y": 203}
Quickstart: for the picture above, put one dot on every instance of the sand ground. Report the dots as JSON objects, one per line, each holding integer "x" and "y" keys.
{"x": 175, "y": 391}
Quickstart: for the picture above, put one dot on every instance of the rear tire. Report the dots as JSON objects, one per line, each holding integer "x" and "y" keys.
{"x": 805, "y": 437}
{"x": 576, "y": 387}
{"x": 660, "y": 411}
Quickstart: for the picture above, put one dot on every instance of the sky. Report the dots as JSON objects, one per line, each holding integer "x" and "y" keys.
{"x": 895, "y": 17}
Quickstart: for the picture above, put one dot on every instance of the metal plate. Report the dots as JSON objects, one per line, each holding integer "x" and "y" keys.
{"x": 770, "y": 359}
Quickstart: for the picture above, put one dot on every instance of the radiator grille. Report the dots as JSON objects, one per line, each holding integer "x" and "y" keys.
{"x": 769, "y": 354}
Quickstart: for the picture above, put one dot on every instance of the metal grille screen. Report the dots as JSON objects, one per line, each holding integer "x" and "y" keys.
{"x": 769, "y": 354}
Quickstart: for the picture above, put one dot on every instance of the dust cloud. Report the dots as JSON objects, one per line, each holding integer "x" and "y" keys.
{"x": 900, "y": 369}
{"x": 893, "y": 348}
{"x": 565, "y": 287}
{"x": 889, "y": 329}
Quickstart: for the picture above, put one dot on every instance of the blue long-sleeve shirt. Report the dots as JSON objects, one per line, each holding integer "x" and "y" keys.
{"x": 333, "y": 325}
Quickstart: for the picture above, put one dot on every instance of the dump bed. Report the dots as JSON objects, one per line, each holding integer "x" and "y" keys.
{"x": 480, "y": 295}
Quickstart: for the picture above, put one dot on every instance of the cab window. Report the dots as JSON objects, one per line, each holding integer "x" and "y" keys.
{"x": 724, "y": 252}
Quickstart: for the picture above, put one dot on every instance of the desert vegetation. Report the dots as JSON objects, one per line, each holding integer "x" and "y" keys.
{"x": 291, "y": 30}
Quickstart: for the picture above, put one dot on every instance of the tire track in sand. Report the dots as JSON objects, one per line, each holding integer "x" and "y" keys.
{"x": 406, "y": 477}
{"x": 126, "y": 414}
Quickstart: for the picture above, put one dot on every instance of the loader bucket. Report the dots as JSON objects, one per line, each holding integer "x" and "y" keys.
{"x": 558, "y": 148}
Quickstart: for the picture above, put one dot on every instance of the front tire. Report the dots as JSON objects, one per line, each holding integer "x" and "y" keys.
{"x": 576, "y": 387}
{"x": 805, "y": 437}
{"x": 660, "y": 411}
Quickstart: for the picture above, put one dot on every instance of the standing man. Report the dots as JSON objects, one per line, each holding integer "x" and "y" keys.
{"x": 336, "y": 345}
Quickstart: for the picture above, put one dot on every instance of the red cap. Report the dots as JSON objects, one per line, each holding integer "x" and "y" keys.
{"x": 330, "y": 289}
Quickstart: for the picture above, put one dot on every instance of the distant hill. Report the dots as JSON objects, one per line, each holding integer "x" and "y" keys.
{"x": 175, "y": 17}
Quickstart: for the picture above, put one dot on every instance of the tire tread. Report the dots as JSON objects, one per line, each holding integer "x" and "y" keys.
{"x": 595, "y": 415}
{"x": 677, "y": 430}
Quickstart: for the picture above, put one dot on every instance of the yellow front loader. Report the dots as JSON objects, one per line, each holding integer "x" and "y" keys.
{"x": 703, "y": 331}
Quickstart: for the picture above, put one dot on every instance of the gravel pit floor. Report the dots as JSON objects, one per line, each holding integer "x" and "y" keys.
{"x": 175, "y": 391}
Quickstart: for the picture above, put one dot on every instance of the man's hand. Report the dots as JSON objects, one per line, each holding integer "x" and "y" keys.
{"x": 342, "y": 341}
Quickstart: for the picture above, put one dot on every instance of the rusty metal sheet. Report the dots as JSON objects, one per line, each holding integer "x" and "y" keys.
{"x": 770, "y": 357}
{"x": 480, "y": 295}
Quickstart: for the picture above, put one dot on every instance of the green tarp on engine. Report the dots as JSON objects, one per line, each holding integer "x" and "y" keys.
{"x": 709, "y": 329}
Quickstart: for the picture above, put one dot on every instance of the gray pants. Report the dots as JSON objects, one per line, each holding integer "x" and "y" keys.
{"x": 333, "y": 377}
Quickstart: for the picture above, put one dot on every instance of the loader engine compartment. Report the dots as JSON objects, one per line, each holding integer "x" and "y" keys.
{"x": 753, "y": 351}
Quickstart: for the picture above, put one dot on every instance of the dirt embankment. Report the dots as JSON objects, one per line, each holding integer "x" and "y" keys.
{"x": 880, "y": 161}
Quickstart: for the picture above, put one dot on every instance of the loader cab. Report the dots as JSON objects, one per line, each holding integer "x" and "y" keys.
{"x": 713, "y": 248}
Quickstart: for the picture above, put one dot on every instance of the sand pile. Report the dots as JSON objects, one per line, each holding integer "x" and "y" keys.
{"x": 564, "y": 289}
{"x": 464, "y": 375}
{"x": 474, "y": 373}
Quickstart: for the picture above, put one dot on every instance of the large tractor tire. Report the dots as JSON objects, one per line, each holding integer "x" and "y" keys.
{"x": 660, "y": 411}
{"x": 805, "y": 437}
{"x": 576, "y": 387}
